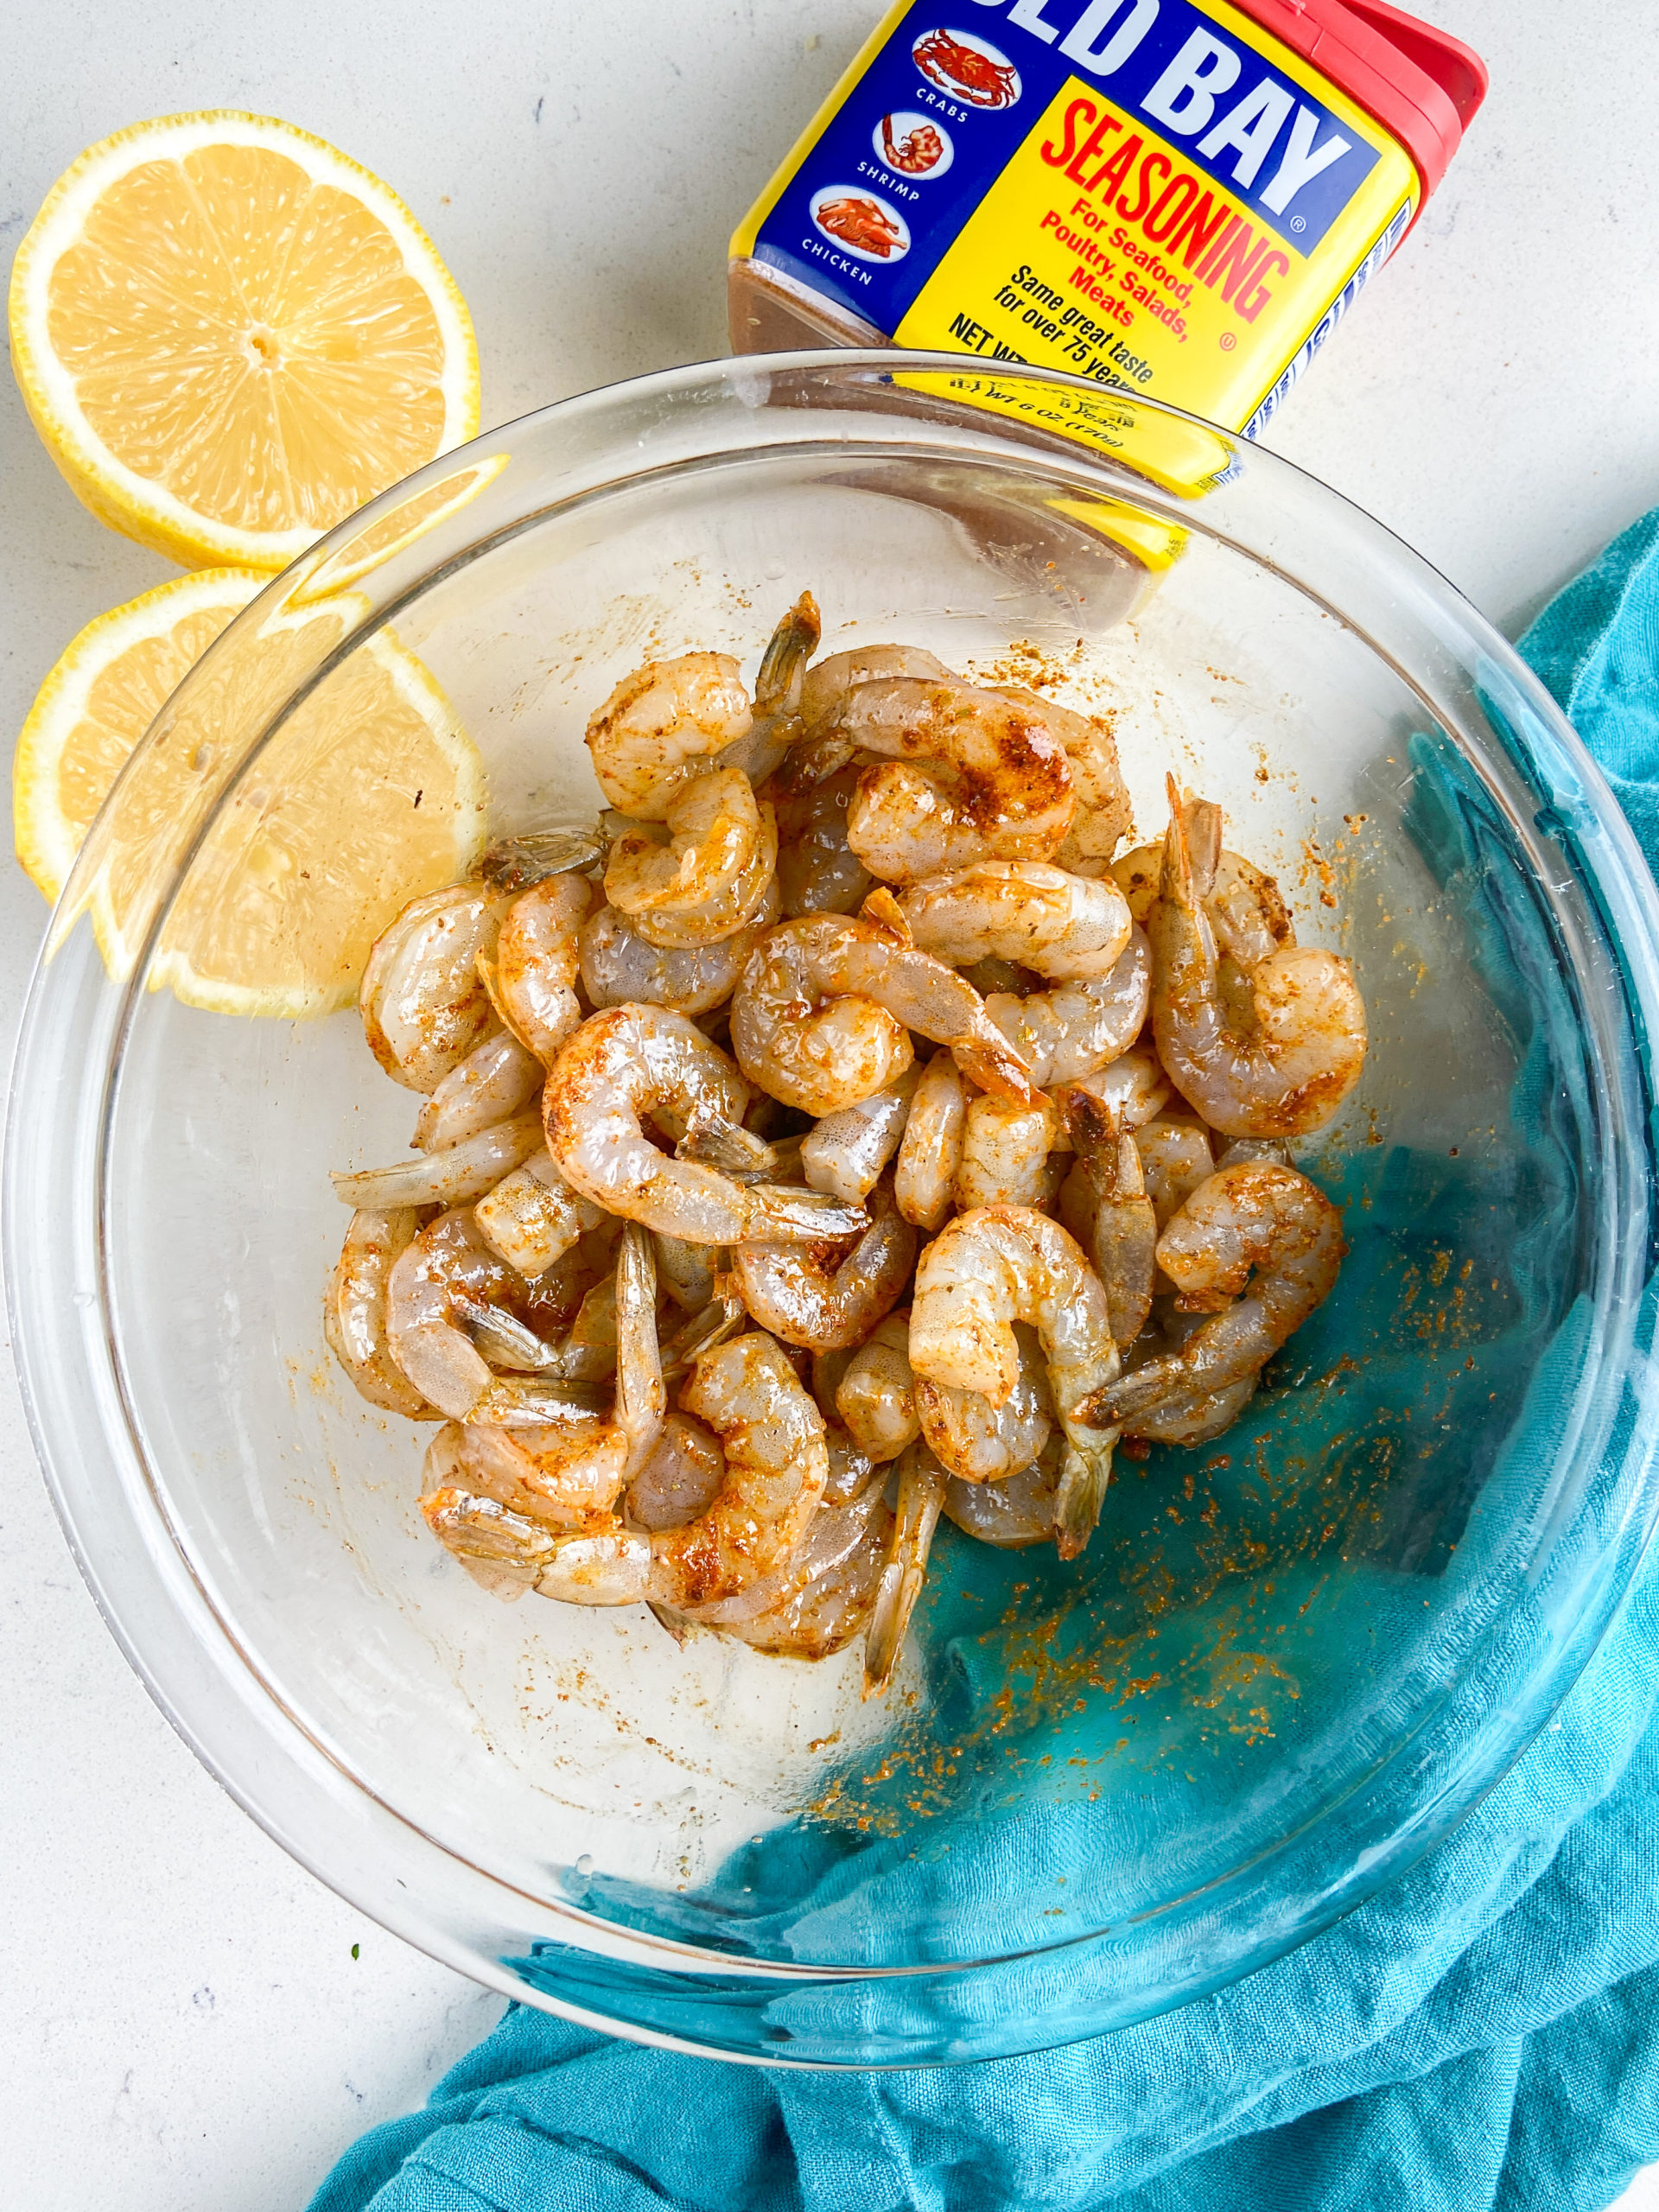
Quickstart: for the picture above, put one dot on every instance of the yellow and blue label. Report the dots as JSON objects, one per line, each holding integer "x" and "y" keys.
{"x": 1151, "y": 194}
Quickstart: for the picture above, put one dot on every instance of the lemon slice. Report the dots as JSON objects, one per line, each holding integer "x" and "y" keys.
{"x": 230, "y": 336}
{"x": 369, "y": 795}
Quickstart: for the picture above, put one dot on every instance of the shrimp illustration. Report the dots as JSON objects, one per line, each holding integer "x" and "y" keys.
{"x": 1266, "y": 1244}
{"x": 861, "y": 224}
{"x": 916, "y": 153}
{"x": 955, "y": 67}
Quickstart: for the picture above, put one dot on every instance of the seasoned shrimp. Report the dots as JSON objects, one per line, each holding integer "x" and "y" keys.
{"x": 1070, "y": 928}
{"x": 818, "y": 872}
{"x": 496, "y": 1080}
{"x": 1103, "y": 1203}
{"x": 532, "y": 977}
{"x": 978, "y": 1442}
{"x": 1076, "y": 1029}
{"x": 1190, "y": 1417}
{"x": 925, "y": 1173}
{"x": 1247, "y": 910}
{"x": 566, "y": 1474}
{"x": 1101, "y": 820}
{"x": 820, "y": 1296}
{"x": 1175, "y": 1159}
{"x": 875, "y": 1393}
{"x": 444, "y": 1286}
{"x": 846, "y": 1151}
{"x": 1307, "y": 1050}
{"x": 776, "y": 723}
{"x": 826, "y": 686}
{"x": 532, "y": 1218}
{"x": 921, "y": 1494}
{"x": 982, "y": 1273}
{"x": 660, "y": 726}
{"x": 708, "y": 882}
{"x": 776, "y": 1466}
{"x": 1261, "y": 1236}
{"x": 678, "y": 1477}
{"x": 1014, "y": 1512}
{"x": 422, "y": 1005}
{"x": 820, "y": 1015}
{"x": 354, "y": 1309}
{"x": 621, "y": 968}
{"x": 632, "y": 1062}
{"x": 829, "y": 1587}
{"x": 461, "y": 1171}
{"x": 996, "y": 785}
{"x": 1006, "y": 1153}
{"x": 1133, "y": 1086}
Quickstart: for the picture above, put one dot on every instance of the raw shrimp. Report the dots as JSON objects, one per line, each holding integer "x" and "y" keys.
{"x": 1259, "y": 1234}
{"x": 495, "y": 1081}
{"x": 422, "y": 1005}
{"x": 532, "y": 1218}
{"x": 566, "y": 1474}
{"x": 1070, "y": 928}
{"x": 1191, "y": 1416}
{"x": 465, "y": 1170}
{"x": 925, "y": 1172}
{"x": 637, "y": 1061}
{"x": 1101, "y": 818}
{"x": 1016, "y": 1511}
{"x": 997, "y": 784}
{"x": 707, "y": 883}
{"x": 982, "y": 1273}
{"x": 1078, "y": 1027}
{"x": 776, "y": 723}
{"x": 1245, "y": 906}
{"x": 1308, "y": 1047}
{"x": 1005, "y": 1154}
{"x": 1103, "y": 1203}
{"x": 820, "y": 1296}
{"x": 818, "y": 872}
{"x": 826, "y": 686}
{"x": 846, "y": 1151}
{"x": 532, "y": 977}
{"x": 831, "y": 1586}
{"x": 678, "y": 1477}
{"x": 1133, "y": 1085}
{"x": 776, "y": 1466}
{"x": 660, "y": 726}
{"x": 446, "y": 1284}
{"x": 621, "y": 968}
{"x": 354, "y": 1309}
{"x": 1175, "y": 1159}
{"x": 820, "y": 1014}
{"x": 978, "y": 1442}
{"x": 875, "y": 1393}
{"x": 921, "y": 1495}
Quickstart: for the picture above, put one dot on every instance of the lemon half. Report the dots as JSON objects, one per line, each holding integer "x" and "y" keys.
{"x": 369, "y": 794}
{"x": 230, "y": 336}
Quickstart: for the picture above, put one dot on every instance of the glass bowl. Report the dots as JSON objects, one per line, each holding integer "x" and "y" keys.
{"x": 1287, "y": 1662}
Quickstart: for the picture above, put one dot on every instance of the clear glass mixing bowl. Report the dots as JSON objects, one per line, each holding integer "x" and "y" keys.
{"x": 1287, "y": 1662}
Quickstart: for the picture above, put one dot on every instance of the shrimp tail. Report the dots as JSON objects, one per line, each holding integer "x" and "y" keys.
{"x": 641, "y": 1394}
{"x": 1082, "y": 1492}
{"x": 778, "y": 686}
{"x": 921, "y": 1494}
{"x": 882, "y": 911}
{"x": 788, "y": 1213}
{"x": 1122, "y": 1402}
{"x": 986, "y": 1058}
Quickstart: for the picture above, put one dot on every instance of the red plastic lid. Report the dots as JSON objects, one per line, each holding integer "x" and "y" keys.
{"x": 1421, "y": 85}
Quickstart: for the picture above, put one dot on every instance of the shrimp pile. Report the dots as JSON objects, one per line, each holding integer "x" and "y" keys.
{"x": 838, "y": 1133}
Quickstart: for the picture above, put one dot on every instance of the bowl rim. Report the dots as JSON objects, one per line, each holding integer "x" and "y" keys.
{"x": 1502, "y": 671}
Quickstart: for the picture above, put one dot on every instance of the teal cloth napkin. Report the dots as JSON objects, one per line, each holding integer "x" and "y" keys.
{"x": 1484, "y": 2033}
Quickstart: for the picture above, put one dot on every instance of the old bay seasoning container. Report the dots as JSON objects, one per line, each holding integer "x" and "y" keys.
{"x": 1174, "y": 197}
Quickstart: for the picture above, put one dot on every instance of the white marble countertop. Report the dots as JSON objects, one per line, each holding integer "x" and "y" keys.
{"x": 185, "y": 2023}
